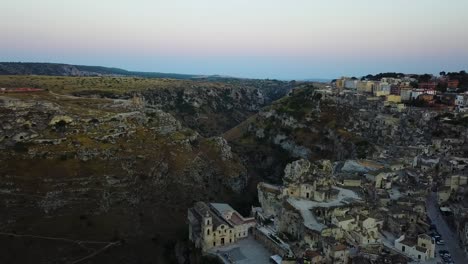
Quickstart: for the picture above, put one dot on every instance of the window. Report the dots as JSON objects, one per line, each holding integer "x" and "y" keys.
{"x": 423, "y": 244}
{"x": 208, "y": 232}
{"x": 403, "y": 248}
{"x": 230, "y": 231}
{"x": 208, "y": 222}
{"x": 214, "y": 244}
{"x": 419, "y": 256}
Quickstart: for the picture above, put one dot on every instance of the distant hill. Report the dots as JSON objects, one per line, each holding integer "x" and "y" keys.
{"x": 320, "y": 80}
{"x": 57, "y": 69}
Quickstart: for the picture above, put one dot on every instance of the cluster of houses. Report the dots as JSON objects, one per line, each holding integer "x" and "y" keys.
{"x": 401, "y": 90}
{"x": 351, "y": 210}
{"x": 368, "y": 210}
{"x": 326, "y": 213}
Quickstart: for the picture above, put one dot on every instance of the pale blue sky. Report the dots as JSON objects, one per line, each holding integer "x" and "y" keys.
{"x": 282, "y": 39}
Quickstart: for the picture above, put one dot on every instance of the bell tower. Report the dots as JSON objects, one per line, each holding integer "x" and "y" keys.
{"x": 207, "y": 230}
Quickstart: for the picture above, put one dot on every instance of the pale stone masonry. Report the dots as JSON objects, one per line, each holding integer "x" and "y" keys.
{"x": 216, "y": 224}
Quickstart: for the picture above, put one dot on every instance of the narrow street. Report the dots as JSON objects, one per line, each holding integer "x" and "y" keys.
{"x": 451, "y": 240}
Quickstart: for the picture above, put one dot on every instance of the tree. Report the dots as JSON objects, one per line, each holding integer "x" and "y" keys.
{"x": 441, "y": 87}
{"x": 442, "y": 73}
{"x": 425, "y": 77}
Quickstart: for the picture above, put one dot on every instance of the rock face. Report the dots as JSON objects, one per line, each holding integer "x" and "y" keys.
{"x": 211, "y": 111}
{"x": 104, "y": 171}
{"x": 296, "y": 171}
{"x": 300, "y": 171}
{"x": 302, "y": 125}
{"x": 60, "y": 119}
{"x": 224, "y": 147}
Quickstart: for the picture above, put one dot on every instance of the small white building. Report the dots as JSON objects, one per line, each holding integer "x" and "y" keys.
{"x": 421, "y": 249}
{"x": 351, "y": 84}
{"x": 459, "y": 100}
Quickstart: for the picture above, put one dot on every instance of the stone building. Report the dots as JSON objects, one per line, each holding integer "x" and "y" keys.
{"x": 215, "y": 224}
{"x": 421, "y": 249}
{"x": 336, "y": 253}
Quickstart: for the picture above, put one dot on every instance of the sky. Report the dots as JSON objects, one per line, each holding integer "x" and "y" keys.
{"x": 279, "y": 39}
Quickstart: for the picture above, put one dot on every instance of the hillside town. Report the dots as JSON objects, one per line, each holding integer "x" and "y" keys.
{"x": 404, "y": 203}
{"x": 444, "y": 91}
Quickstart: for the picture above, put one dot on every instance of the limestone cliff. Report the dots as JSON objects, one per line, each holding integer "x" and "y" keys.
{"x": 101, "y": 169}
{"x": 304, "y": 125}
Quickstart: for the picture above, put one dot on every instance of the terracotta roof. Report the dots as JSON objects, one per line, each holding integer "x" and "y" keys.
{"x": 311, "y": 254}
{"x": 339, "y": 247}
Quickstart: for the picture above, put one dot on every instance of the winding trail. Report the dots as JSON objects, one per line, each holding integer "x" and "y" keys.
{"x": 80, "y": 243}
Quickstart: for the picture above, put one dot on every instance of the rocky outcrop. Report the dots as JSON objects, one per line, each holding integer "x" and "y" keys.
{"x": 300, "y": 171}
{"x": 225, "y": 149}
{"x": 290, "y": 146}
{"x": 60, "y": 119}
{"x": 296, "y": 171}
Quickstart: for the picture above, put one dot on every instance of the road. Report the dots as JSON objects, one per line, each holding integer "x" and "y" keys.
{"x": 451, "y": 240}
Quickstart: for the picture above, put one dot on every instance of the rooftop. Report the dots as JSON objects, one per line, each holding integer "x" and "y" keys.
{"x": 244, "y": 251}
{"x": 344, "y": 197}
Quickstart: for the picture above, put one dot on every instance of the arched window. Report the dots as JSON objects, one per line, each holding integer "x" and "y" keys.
{"x": 208, "y": 232}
